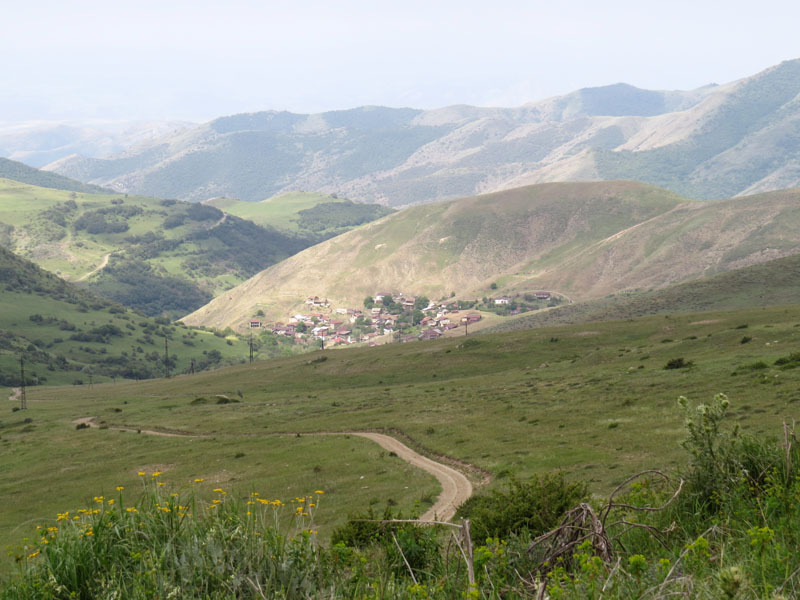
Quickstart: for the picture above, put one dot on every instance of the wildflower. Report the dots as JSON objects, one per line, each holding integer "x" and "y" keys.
{"x": 120, "y": 488}
{"x": 141, "y": 473}
{"x": 88, "y": 533}
{"x": 111, "y": 501}
{"x": 174, "y": 495}
{"x": 131, "y": 509}
{"x": 156, "y": 473}
{"x": 161, "y": 483}
{"x": 199, "y": 480}
{"x": 99, "y": 499}
{"x": 33, "y": 554}
{"x": 318, "y": 492}
{"x": 220, "y": 491}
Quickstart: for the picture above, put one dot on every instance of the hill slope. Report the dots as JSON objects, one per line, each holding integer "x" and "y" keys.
{"x": 772, "y": 283}
{"x": 155, "y": 255}
{"x": 66, "y": 335}
{"x": 307, "y": 214}
{"x": 10, "y": 169}
{"x": 710, "y": 143}
{"x": 582, "y": 240}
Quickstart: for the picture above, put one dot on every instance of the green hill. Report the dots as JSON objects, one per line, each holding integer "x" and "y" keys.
{"x": 160, "y": 256}
{"x": 10, "y": 169}
{"x": 308, "y": 214}
{"x": 579, "y": 241}
{"x": 66, "y": 335}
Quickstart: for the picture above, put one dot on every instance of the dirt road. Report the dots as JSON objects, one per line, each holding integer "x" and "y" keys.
{"x": 97, "y": 269}
{"x": 456, "y": 488}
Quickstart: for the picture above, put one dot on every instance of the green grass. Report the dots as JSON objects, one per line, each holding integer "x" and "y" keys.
{"x": 523, "y": 402}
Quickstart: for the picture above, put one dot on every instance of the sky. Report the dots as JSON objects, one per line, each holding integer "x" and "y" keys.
{"x": 196, "y": 60}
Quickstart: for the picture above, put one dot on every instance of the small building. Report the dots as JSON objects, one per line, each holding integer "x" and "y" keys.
{"x": 502, "y": 300}
{"x": 255, "y": 324}
{"x": 542, "y": 295}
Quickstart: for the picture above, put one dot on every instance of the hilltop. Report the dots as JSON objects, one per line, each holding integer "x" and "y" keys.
{"x": 307, "y": 214}
{"x": 714, "y": 142}
{"x": 580, "y": 240}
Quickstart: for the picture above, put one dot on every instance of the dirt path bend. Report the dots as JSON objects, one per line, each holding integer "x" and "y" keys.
{"x": 97, "y": 269}
{"x": 456, "y": 488}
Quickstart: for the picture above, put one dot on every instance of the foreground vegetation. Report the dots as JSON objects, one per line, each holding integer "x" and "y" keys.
{"x": 595, "y": 401}
{"x": 724, "y": 525}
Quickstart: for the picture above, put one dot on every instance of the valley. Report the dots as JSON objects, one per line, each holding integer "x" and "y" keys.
{"x": 473, "y": 352}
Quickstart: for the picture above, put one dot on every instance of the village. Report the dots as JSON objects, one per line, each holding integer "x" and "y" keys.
{"x": 392, "y": 317}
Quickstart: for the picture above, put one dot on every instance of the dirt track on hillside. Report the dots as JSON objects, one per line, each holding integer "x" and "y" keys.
{"x": 456, "y": 488}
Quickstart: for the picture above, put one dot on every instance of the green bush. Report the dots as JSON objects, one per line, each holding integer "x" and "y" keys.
{"x": 536, "y": 505}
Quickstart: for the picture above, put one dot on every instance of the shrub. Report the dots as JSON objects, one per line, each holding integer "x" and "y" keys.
{"x": 678, "y": 363}
{"x": 536, "y": 505}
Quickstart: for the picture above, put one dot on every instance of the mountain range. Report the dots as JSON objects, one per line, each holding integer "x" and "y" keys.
{"x": 714, "y": 142}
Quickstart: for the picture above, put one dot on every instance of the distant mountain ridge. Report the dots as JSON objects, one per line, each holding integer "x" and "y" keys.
{"x": 715, "y": 142}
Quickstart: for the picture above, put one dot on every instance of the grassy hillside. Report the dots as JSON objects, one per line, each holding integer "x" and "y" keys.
{"x": 595, "y": 401}
{"x": 308, "y": 214}
{"x": 10, "y": 169}
{"x": 773, "y": 283}
{"x": 155, "y": 255}
{"x": 579, "y": 240}
{"x": 66, "y": 335}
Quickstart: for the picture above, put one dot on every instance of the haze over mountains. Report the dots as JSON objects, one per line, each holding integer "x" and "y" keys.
{"x": 710, "y": 143}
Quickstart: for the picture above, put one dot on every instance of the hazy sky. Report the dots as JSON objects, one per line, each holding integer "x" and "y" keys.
{"x": 199, "y": 59}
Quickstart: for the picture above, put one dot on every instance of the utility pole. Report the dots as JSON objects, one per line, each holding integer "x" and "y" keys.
{"x": 191, "y": 367}
{"x": 166, "y": 357}
{"x": 251, "y": 348}
{"x": 23, "y": 399}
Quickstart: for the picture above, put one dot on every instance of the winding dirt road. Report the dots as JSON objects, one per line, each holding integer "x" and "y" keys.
{"x": 456, "y": 488}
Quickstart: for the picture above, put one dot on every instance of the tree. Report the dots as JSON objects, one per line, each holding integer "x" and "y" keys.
{"x": 301, "y": 327}
{"x": 493, "y": 285}
{"x": 421, "y": 303}
{"x": 369, "y": 302}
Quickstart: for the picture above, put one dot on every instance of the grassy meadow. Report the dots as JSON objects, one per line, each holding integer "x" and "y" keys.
{"x": 593, "y": 400}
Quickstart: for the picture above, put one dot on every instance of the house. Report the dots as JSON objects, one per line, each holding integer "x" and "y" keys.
{"x": 381, "y": 295}
{"x": 375, "y": 311}
{"x": 473, "y": 318}
{"x": 542, "y": 295}
{"x": 430, "y": 334}
{"x": 343, "y": 311}
{"x": 255, "y": 324}
{"x": 502, "y": 300}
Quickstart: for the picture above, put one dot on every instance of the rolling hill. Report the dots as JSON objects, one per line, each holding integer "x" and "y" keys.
{"x": 308, "y": 214}
{"x": 66, "y": 335}
{"x": 711, "y": 143}
{"x": 581, "y": 240}
{"x": 160, "y": 256}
